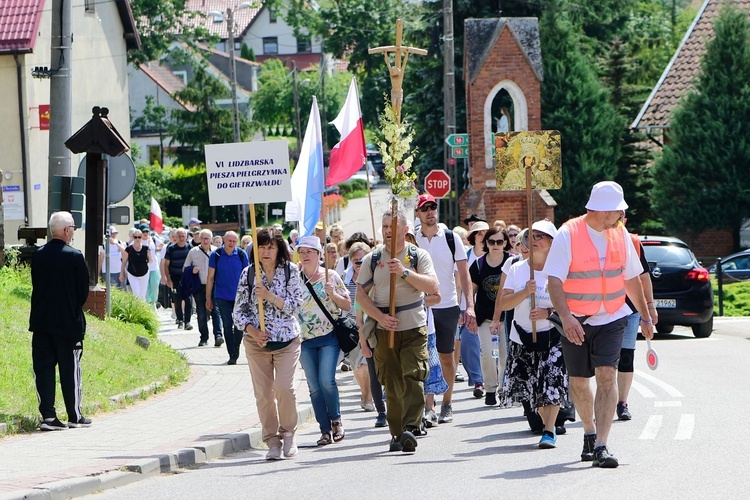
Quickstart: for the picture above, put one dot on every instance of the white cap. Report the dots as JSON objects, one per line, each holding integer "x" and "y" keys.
{"x": 606, "y": 196}
{"x": 310, "y": 242}
{"x": 546, "y": 227}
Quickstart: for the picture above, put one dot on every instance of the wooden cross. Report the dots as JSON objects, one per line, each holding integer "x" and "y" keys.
{"x": 397, "y": 69}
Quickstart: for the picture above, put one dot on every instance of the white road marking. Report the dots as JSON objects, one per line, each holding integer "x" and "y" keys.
{"x": 642, "y": 390}
{"x": 685, "y": 427}
{"x": 652, "y": 427}
{"x": 668, "y": 388}
{"x": 666, "y": 404}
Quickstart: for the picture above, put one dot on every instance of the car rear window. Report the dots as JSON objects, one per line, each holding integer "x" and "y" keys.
{"x": 668, "y": 255}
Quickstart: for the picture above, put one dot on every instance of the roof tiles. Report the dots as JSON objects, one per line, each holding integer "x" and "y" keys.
{"x": 218, "y": 25}
{"x": 679, "y": 77}
{"x": 19, "y": 25}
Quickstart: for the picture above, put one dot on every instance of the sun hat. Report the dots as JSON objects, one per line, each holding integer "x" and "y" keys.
{"x": 113, "y": 230}
{"x": 479, "y": 226}
{"x": 606, "y": 196}
{"x": 195, "y": 220}
{"x": 310, "y": 242}
{"x": 546, "y": 227}
{"x": 319, "y": 225}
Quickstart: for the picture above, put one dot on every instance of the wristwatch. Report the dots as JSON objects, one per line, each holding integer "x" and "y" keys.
{"x": 406, "y": 273}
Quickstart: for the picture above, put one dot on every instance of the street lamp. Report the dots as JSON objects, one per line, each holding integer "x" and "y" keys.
{"x": 243, "y": 209}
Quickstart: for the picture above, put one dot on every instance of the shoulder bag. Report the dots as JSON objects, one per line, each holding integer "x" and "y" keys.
{"x": 345, "y": 329}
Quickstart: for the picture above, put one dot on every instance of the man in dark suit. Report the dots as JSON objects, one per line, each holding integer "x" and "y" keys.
{"x": 60, "y": 282}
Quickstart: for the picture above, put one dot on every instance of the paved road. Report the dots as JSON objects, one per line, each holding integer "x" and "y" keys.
{"x": 687, "y": 439}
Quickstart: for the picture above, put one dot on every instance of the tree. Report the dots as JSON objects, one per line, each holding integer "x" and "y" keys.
{"x": 576, "y": 104}
{"x": 153, "y": 119}
{"x": 206, "y": 123}
{"x": 702, "y": 175}
{"x": 161, "y": 23}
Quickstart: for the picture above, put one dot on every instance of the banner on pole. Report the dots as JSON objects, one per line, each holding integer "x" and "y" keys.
{"x": 248, "y": 172}
{"x": 538, "y": 150}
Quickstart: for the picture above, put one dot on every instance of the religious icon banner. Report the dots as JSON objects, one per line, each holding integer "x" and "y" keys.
{"x": 538, "y": 150}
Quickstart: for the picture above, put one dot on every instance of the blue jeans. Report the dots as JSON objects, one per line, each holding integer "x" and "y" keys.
{"x": 470, "y": 355}
{"x": 319, "y": 358}
{"x": 232, "y": 336}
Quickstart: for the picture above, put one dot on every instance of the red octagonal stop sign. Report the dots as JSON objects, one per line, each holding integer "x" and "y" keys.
{"x": 437, "y": 183}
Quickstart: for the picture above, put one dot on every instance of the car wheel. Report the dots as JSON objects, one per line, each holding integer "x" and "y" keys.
{"x": 704, "y": 330}
{"x": 664, "y": 328}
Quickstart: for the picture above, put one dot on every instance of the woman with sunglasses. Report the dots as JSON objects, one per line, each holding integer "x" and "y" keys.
{"x": 513, "y": 231}
{"x": 135, "y": 260}
{"x": 536, "y": 371}
{"x": 357, "y": 358}
{"x": 485, "y": 274}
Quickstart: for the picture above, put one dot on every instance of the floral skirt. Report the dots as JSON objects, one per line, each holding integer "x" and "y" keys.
{"x": 538, "y": 377}
{"x": 435, "y": 383}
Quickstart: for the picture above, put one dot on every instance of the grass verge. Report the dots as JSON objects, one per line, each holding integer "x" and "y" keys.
{"x": 112, "y": 363}
{"x": 736, "y": 298}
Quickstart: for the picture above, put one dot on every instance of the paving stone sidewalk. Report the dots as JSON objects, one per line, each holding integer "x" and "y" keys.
{"x": 210, "y": 415}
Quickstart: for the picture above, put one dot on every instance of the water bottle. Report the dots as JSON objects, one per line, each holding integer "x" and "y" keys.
{"x": 495, "y": 345}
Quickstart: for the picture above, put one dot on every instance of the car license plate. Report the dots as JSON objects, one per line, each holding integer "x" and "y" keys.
{"x": 665, "y": 303}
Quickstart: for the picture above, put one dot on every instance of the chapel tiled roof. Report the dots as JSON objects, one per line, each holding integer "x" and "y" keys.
{"x": 19, "y": 25}
{"x": 679, "y": 76}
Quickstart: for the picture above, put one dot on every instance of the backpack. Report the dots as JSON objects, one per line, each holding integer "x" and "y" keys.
{"x": 451, "y": 240}
{"x": 378, "y": 252}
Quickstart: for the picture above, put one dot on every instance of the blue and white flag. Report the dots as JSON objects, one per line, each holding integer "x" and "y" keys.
{"x": 308, "y": 178}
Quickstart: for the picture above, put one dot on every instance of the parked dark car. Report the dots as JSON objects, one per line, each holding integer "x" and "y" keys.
{"x": 735, "y": 267}
{"x": 682, "y": 287}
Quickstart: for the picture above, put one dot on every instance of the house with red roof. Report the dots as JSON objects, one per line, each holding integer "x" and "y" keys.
{"x": 103, "y": 33}
{"x": 677, "y": 80}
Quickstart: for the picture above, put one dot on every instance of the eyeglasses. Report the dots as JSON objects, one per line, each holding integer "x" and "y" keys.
{"x": 136, "y": 237}
{"x": 495, "y": 242}
{"x": 74, "y": 227}
{"x": 427, "y": 208}
{"x": 357, "y": 262}
{"x": 538, "y": 236}
{"x": 512, "y": 235}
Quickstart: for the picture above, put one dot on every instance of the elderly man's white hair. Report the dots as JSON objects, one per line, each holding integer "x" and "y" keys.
{"x": 181, "y": 230}
{"x": 206, "y": 232}
{"x": 58, "y": 221}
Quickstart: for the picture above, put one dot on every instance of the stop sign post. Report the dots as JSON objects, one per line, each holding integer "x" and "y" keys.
{"x": 437, "y": 183}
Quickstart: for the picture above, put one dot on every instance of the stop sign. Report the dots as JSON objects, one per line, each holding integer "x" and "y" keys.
{"x": 437, "y": 183}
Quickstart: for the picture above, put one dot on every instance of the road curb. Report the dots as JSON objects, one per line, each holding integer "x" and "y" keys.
{"x": 201, "y": 452}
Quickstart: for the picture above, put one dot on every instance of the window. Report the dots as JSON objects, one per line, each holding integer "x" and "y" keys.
{"x": 89, "y": 5}
{"x": 154, "y": 154}
{"x": 304, "y": 45}
{"x": 271, "y": 16}
{"x": 182, "y": 75}
{"x": 270, "y": 45}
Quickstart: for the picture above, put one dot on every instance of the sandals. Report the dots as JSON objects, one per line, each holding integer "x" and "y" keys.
{"x": 325, "y": 439}
{"x": 338, "y": 431}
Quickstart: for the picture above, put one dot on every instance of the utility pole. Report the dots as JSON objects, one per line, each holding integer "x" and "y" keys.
{"x": 449, "y": 105}
{"x": 60, "y": 90}
{"x": 297, "y": 124}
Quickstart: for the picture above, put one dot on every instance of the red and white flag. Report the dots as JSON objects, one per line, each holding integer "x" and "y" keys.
{"x": 157, "y": 222}
{"x": 349, "y": 154}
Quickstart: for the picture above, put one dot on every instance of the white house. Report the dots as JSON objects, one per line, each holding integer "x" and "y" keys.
{"x": 103, "y": 33}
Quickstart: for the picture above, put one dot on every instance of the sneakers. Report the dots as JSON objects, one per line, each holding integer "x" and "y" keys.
{"x": 219, "y": 341}
{"x": 548, "y": 441}
{"x": 274, "y": 453}
{"x": 381, "y": 421}
{"x": 203, "y": 343}
{"x": 346, "y": 366}
{"x": 408, "y": 442}
{"x": 368, "y": 406}
{"x": 395, "y": 445}
{"x": 232, "y": 360}
{"x": 82, "y": 422}
{"x": 459, "y": 377}
{"x": 446, "y": 413}
{"x": 478, "y": 390}
{"x": 290, "y": 445}
{"x": 490, "y": 399}
{"x": 622, "y": 411}
{"x": 188, "y": 326}
{"x": 179, "y": 324}
{"x": 52, "y": 424}
{"x": 589, "y": 440}
{"x": 431, "y": 418}
{"x": 603, "y": 459}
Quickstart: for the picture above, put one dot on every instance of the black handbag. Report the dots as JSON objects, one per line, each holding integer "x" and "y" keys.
{"x": 544, "y": 340}
{"x": 345, "y": 329}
